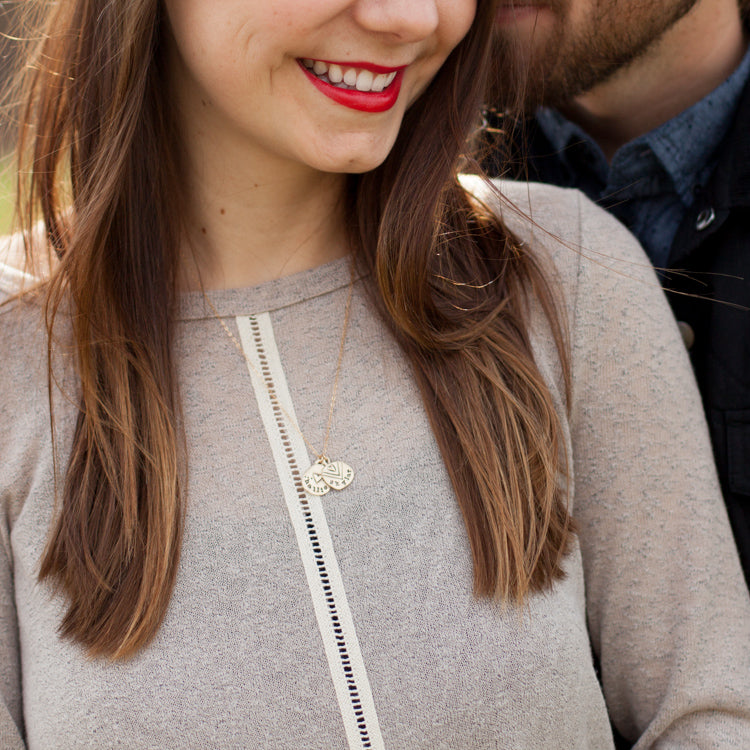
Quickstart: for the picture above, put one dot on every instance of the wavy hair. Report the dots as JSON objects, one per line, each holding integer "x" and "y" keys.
{"x": 98, "y": 142}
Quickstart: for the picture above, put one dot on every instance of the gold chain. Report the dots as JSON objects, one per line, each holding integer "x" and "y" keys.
{"x": 322, "y": 458}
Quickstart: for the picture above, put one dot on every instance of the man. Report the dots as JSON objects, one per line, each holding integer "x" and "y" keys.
{"x": 645, "y": 106}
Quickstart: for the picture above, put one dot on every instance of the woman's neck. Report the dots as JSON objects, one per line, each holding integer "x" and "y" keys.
{"x": 253, "y": 220}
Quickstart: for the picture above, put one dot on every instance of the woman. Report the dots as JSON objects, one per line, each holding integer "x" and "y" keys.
{"x": 319, "y": 419}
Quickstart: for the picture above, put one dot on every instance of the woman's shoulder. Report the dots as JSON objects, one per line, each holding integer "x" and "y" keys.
{"x": 13, "y": 278}
{"x": 23, "y": 341}
{"x": 24, "y": 384}
{"x": 587, "y": 246}
{"x": 557, "y": 207}
{"x": 555, "y": 218}
{"x": 527, "y": 198}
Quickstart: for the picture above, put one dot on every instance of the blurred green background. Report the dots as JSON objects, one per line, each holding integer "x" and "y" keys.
{"x": 7, "y": 194}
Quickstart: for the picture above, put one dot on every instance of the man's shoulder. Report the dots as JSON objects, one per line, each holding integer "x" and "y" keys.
{"x": 733, "y": 162}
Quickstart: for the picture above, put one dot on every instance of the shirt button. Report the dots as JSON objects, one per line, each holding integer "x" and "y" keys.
{"x": 687, "y": 332}
{"x": 704, "y": 219}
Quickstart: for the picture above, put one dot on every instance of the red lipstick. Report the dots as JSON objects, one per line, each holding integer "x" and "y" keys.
{"x": 363, "y": 101}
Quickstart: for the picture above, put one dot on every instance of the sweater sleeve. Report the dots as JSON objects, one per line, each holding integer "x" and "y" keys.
{"x": 11, "y": 704}
{"x": 11, "y": 719}
{"x": 668, "y": 611}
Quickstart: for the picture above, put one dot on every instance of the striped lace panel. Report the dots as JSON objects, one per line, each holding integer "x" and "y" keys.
{"x": 308, "y": 518}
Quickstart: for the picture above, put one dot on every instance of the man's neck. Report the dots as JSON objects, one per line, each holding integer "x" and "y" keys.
{"x": 692, "y": 59}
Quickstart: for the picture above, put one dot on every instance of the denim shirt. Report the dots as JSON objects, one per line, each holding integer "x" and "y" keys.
{"x": 653, "y": 179}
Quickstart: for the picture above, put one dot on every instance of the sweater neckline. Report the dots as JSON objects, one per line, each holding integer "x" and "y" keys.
{"x": 268, "y": 296}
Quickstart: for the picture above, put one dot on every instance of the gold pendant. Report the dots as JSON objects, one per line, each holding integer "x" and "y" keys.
{"x": 325, "y": 475}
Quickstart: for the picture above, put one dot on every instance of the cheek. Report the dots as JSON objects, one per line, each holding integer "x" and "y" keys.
{"x": 456, "y": 17}
{"x": 208, "y": 52}
{"x": 214, "y": 35}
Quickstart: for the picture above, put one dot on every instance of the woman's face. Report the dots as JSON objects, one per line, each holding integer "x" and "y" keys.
{"x": 321, "y": 83}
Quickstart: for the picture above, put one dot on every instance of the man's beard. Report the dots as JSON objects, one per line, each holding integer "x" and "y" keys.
{"x": 572, "y": 61}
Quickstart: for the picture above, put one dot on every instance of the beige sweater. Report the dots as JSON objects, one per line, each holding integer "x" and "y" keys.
{"x": 347, "y": 621}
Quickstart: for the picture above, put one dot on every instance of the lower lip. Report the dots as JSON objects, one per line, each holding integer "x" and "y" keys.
{"x": 510, "y": 14}
{"x": 362, "y": 101}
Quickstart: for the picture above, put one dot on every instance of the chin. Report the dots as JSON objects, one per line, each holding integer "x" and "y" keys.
{"x": 356, "y": 160}
{"x": 363, "y": 165}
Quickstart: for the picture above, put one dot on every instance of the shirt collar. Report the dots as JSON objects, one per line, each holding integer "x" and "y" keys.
{"x": 683, "y": 146}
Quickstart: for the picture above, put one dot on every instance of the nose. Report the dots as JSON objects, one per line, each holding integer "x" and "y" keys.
{"x": 405, "y": 20}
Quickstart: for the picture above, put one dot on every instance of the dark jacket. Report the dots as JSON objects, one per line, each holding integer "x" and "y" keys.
{"x": 711, "y": 295}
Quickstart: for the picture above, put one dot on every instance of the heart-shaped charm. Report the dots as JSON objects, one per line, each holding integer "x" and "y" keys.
{"x": 337, "y": 474}
{"x": 312, "y": 479}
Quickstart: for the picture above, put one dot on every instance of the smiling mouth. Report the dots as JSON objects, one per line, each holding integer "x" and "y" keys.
{"x": 350, "y": 78}
{"x": 365, "y": 87}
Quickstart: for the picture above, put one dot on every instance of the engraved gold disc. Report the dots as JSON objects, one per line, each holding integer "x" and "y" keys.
{"x": 313, "y": 481}
{"x": 337, "y": 475}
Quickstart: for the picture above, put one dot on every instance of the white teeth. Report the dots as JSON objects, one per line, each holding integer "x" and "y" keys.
{"x": 379, "y": 82}
{"x": 364, "y": 81}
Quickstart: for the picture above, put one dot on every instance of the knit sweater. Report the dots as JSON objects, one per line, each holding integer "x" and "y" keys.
{"x": 348, "y": 620}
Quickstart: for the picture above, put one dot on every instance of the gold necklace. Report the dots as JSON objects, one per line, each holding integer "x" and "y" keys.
{"x": 324, "y": 475}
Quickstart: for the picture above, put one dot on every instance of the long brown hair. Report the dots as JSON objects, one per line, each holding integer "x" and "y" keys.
{"x": 452, "y": 284}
